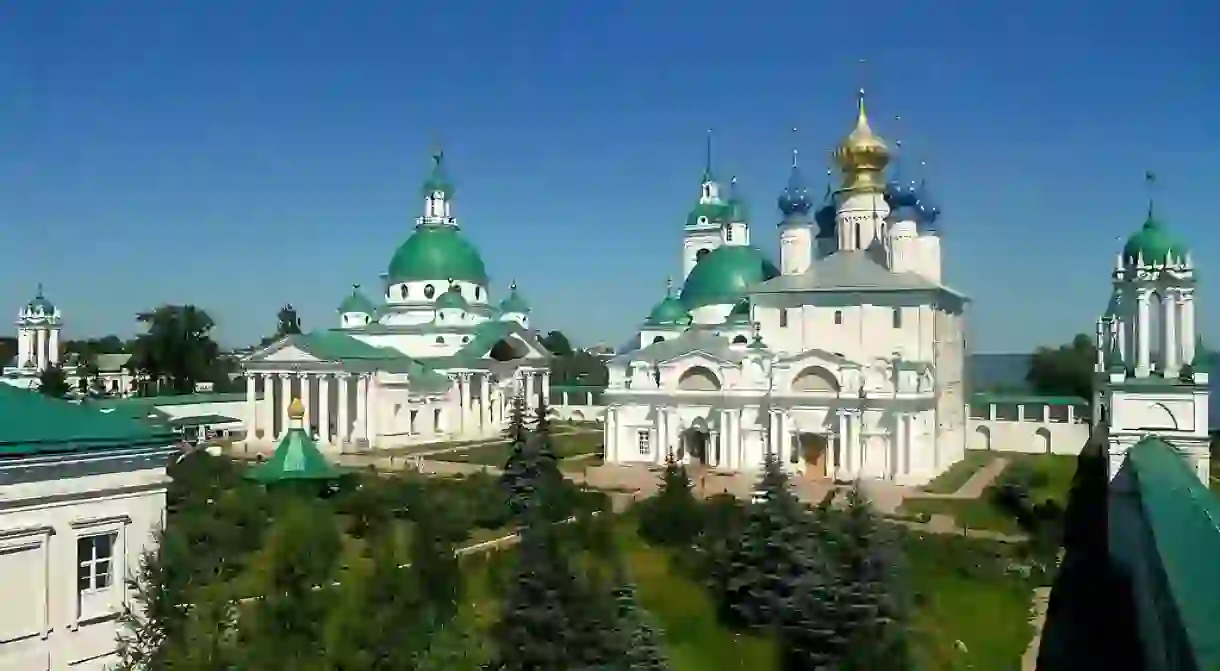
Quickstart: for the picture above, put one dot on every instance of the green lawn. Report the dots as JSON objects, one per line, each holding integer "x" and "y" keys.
{"x": 952, "y": 480}
{"x": 496, "y": 454}
{"x": 1054, "y": 475}
{"x": 963, "y": 594}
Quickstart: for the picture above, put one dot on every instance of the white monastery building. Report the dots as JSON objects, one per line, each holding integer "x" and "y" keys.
{"x": 81, "y": 496}
{"x": 847, "y": 360}
{"x": 435, "y": 359}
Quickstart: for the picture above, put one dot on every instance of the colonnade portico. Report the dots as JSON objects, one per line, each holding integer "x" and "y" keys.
{"x": 356, "y": 408}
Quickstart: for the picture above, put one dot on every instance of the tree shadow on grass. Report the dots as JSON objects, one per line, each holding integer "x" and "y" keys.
{"x": 1091, "y": 617}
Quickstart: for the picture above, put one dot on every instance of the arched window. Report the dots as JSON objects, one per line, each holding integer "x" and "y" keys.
{"x": 465, "y": 339}
{"x": 658, "y": 339}
{"x": 477, "y": 293}
{"x": 739, "y": 340}
{"x": 402, "y": 290}
{"x": 429, "y": 291}
{"x": 440, "y": 340}
{"x": 701, "y": 253}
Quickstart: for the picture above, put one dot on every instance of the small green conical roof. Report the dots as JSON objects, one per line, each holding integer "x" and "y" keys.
{"x": 738, "y": 211}
{"x": 357, "y": 302}
{"x": 438, "y": 177}
{"x": 514, "y": 303}
{"x": 452, "y": 299}
{"x": 296, "y": 457}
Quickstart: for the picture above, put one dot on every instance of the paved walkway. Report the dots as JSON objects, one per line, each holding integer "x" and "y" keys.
{"x": 973, "y": 487}
{"x": 1042, "y": 598}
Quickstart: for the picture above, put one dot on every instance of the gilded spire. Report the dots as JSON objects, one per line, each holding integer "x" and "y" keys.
{"x": 863, "y": 155}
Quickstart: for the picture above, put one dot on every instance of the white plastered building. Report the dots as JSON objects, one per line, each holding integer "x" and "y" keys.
{"x": 847, "y": 361}
{"x": 436, "y": 360}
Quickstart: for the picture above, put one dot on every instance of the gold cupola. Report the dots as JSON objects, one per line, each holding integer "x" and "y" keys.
{"x": 862, "y": 156}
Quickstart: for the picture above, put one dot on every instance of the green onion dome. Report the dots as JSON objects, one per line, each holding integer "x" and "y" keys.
{"x": 669, "y": 312}
{"x": 514, "y": 303}
{"x": 452, "y": 299}
{"x": 724, "y": 275}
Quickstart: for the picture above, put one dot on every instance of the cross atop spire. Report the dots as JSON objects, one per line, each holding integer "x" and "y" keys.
{"x": 707, "y": 158}
{"x": 1150, "y": 183}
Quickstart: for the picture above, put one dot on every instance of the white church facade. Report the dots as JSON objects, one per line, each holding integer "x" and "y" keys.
{"x": 847, "y": 360}
{"x": 435, "y": 359}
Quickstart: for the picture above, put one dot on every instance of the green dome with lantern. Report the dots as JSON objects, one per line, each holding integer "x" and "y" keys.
{"x": 725, "y": 275}
{"x": 357, "y": 302}
{"x": 669, "y": 312}
{"x": 513, "y": 303}
{"x": 452, "y": 299}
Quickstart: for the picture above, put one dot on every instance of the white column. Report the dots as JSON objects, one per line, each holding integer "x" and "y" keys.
{"x": 324, "y": 408}
{"x": 485, "y": 402}
{"x": 53, "y": 348}
{"x": 1143, "y": 334}
{"x": 728, "y": 442}
{"x": 306, "y": 381}
{"x": 343, "y": 429}
{"x": 529, "y": 389}
{"x": 374, "y": 410}
{"x": 267, "y": 407}
{"x": 546, "y": 387}
{"x": 898, "y": 468}
{"x": 465, "y": 419}
{"x": 40, "y": 360}
{"x": 362, "y": 412}
{"x": 609, "y": 436}
{"x": 1170, "y": 348}
{"x": 285, "y": 399}
{"x": 662, "y": 451}
{"x": 251, "y": 405}
{"x": 1188, "y": 327}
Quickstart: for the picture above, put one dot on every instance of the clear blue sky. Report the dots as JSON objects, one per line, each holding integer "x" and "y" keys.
{"x": 239, "y": 155}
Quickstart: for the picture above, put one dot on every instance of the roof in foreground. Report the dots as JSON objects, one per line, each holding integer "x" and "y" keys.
{"x": 297, "y": 457}
{"x": 849, "y": 271}
{"x": 32, "y": 423}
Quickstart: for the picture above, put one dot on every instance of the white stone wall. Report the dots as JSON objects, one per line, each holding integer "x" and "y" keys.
{"x": 1175, "y": 413}
{"x": 46, "y": 623}
{"x": 861, "y": 332}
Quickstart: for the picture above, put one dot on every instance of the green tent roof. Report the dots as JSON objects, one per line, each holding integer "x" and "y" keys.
{"x": 296, "y": 457}
{"x": 31, "y": 423}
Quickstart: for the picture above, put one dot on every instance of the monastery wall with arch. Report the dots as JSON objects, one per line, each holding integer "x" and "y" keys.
{"x": 1028, "y": 424}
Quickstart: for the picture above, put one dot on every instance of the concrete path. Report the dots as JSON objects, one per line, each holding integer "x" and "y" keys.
{"x": 973, "y": 487}
{"x": 1042, "y": 598}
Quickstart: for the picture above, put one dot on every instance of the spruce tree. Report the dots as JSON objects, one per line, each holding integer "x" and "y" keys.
{"x": 638, "y": 641}
{"x": 870, "y": 600}
{"x": 531, "y": 476}
{"x": 515, "y": 477}
{"x": 771, "y": 556}
{"x": 672, "y": 517}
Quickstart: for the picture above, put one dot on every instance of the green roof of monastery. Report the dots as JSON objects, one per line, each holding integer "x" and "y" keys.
{"x": 437, "y": 253}
{"x": 452, "y": 299}
{"x": 296, "y": 457}
{"x": 31, "y": 423}
{"x": 725, "y": 275}
{"x": 1185, "y": 521}
{"x": 340, "y": 347}
{"x": 513, "y": 303}
{"x": 438, "y": 178}
{"x": 1152, "y": 244}
{"x": 357, "y": 302}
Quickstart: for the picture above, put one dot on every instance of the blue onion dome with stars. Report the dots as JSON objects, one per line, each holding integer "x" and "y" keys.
{"x": 913, "y": 201}
{"x": 794, "y": 200}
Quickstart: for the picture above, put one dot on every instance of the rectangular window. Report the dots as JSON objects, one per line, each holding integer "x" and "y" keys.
{"x": 897, "y": 318}
{"x": 838, "y": 317}
{"x": 414, "y": 415}
{"x": 645, "y": 440}
{"x": 783, "y": 318}
{"x": 95, "y": 562}
{"x": 728, "y": 234}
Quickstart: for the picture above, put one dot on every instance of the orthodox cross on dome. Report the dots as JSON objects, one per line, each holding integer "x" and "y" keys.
{"x": 39, "y": 294}
{"x": 707, "y": 159}
{"x": 1150, "y": 184}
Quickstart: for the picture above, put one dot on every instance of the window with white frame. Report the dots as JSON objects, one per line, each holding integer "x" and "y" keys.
{"x": 644, "y": 438}
{"x": 95, "y": 569}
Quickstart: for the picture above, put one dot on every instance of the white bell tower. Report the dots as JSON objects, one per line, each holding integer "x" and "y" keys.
{"x": 38, "y": 326}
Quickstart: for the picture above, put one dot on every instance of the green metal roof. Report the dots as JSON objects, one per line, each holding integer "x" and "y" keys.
{"x": 1026, "y": 399}
{"x": 437, "y": 254}
{"x": 725, "y": 275}
{"x": 452, "y": 300}
{"x": 1184, "y": 518}
{"x": 1153, "y": 244}
{"x": 514, "y": 303}
{"x": 296, "y": 457}
{"x": 357, "y": 302}
{"x": 201, "y": 420}
{"x": 341, "y": 347}
{"x": 669, "y": 312}
{"x": 714, "y": 212}
{"x": 31, "y": 423}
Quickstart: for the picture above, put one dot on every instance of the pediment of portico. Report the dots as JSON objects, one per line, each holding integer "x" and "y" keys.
{"x": 284, "y": 350}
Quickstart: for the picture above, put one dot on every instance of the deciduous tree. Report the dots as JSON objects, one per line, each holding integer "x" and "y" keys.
{"x": 1066, "y": 370}
{"x": 52, "y": 382}
{"x": 176, "y": 348}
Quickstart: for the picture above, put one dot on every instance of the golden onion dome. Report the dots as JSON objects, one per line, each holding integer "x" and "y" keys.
{"x": 863, "y": 151}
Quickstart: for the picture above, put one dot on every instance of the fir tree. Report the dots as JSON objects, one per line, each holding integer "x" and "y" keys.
{"x": 531, "y": 476}
{"x": 870, "y": 597}
{"x": 672, "y": 517}
{"x": 773, "y": 553}
{"x": 154, "y": 620}
{"x": 638, "y": 641}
